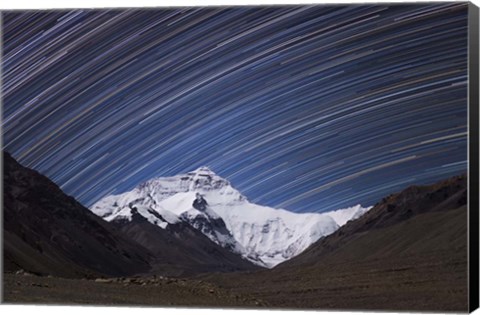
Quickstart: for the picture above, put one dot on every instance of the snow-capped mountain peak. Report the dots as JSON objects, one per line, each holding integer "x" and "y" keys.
{"x": 205, "y": 170}
{"x": 264, "y": 235}
{"x": 204, "y": 178}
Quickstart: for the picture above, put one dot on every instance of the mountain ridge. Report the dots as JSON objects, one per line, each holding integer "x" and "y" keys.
{"x": 392, "y": 210}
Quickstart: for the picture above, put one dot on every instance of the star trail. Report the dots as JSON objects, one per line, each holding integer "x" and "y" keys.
{"x": 309, "y": 108}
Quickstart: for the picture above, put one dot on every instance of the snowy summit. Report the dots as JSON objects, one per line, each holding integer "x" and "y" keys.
{"x": 264, "y": 235}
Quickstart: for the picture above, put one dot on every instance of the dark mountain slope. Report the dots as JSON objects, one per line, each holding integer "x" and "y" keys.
{"x": 48, "y": 232}
{"x": 182, "y": 250}
{"x": 409, "y": 252}
{"x": 392, "y": 211}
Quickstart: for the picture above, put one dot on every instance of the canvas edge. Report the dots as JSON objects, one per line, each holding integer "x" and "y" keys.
{"x": 473, "y": 154}
{"x": 1, "y": 164}
{"x": 473, "y": 218}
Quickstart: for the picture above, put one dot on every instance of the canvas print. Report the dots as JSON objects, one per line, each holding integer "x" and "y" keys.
{"x": 296, "y": 157}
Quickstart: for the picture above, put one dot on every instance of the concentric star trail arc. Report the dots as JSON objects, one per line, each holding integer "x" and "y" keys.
{"x": 309, "y": 108}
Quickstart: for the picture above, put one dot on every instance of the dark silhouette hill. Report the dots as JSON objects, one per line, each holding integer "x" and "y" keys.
{"x": 49, "y": 233}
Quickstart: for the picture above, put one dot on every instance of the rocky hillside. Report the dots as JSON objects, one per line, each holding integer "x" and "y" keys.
{"x": 391, "y": 211}
{"x": 48, "y": 232}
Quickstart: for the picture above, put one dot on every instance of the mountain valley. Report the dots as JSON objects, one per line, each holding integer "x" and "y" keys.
{"x": 157, "y": 245}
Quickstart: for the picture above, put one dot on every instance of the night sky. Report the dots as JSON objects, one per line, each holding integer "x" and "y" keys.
{"x": 310, "y": 108}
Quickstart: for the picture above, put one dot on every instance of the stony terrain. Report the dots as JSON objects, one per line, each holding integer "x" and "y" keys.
{"x": 25, "y": 288}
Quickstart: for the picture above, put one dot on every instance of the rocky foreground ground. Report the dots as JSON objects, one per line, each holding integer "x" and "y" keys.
{"x": 24, "y": 288}
{"x": 418, "y": 283}
{"x": 393, "y": 268}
